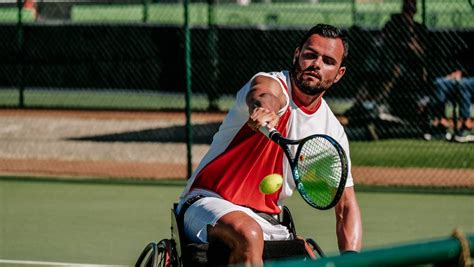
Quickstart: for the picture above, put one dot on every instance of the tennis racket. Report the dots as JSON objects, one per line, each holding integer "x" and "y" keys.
{"x": 319, "y": 167}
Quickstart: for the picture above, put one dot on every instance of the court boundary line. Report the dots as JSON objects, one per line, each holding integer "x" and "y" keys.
{"x": 52, "y": 263}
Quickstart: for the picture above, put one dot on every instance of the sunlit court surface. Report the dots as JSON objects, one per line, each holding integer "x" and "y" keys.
{"x": 108, "y": 224}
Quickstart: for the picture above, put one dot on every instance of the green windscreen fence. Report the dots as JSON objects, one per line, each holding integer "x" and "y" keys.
{"x": 452, "y": 251}
{"x": 407, "y": 80}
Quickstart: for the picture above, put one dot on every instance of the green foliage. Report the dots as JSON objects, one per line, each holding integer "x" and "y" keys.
{"x": 371, "y": 15}
{"x": 10, "y": 14}
{"x": 452, "y": 14}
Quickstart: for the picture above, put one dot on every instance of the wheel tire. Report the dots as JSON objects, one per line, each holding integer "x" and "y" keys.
{"x": 316, "y": 248}
{"x": 161, "y": 254}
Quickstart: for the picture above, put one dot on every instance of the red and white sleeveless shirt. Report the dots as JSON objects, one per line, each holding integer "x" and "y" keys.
{"x": 239, "y": 158}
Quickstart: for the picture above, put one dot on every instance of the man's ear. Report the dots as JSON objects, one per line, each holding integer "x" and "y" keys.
{"x": 340, "y": 73}
{"x": 296, "y": 54}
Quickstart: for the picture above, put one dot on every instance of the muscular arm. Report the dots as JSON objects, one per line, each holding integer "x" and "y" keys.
{"x": 348, "y": 222}
{"x": 264, "y": 100}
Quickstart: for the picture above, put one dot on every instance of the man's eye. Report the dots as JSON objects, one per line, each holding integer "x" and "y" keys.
{"x": 310, "y": 56}
{"x": 329, "y": 61}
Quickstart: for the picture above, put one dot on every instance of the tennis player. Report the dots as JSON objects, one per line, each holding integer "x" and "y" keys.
{"x": 227, "y": 179}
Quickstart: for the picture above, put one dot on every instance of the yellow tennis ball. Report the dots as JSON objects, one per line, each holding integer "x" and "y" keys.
{"x": 271, "y": 183}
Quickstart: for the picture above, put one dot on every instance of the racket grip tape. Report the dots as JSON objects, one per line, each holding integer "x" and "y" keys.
{"x": 270, "y": 133}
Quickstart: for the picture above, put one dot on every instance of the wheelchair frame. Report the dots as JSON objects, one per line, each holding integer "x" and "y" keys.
{"x": 179, "y": 252}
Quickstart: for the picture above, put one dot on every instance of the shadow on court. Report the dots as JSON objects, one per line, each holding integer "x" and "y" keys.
{"x": 202, "y": 134}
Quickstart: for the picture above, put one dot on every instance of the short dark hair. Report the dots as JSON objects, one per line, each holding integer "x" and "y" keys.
{"x": 327, "y": 31}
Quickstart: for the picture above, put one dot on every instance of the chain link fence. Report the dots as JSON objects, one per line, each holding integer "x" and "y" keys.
{"x": 130, "y": 55}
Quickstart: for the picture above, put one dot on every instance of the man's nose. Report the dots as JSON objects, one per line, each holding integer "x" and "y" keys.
{"x": 317, "y": 62}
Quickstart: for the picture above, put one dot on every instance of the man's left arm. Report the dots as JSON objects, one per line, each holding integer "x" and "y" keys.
{"x": 348, "y": 222}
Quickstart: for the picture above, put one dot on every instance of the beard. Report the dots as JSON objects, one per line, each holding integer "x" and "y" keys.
{"x": 307, "y": 87}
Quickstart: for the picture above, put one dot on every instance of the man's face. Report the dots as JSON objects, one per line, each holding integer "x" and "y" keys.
{"x": 317, "y": 66}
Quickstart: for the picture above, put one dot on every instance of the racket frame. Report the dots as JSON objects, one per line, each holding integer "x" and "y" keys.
{"x": 284, "y": 143}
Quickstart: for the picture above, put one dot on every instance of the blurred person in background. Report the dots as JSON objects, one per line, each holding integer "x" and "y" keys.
{"x": 407, "y": 82}
{"x": 31, "y": 5}
{"x": 454, "y": 83}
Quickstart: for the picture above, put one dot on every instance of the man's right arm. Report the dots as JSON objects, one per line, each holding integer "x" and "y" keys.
{"x": 348, "y": 222}
{"x": 264, "y": 100}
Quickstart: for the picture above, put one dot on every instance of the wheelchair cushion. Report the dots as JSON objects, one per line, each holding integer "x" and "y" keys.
{"x": 217, "y": 253}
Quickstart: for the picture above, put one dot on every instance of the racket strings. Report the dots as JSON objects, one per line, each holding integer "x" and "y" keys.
{"x": 320, "y": 171}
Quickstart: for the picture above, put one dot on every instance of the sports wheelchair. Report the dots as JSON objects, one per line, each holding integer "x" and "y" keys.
{"x": 178, "y": 251}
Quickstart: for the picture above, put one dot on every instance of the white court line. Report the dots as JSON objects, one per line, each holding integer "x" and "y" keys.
{"x": 49, "y": 263}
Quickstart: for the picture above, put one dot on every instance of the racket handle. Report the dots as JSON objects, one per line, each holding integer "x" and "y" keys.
{"x": 270, "y": 133}
{"x": 267, "y": 132}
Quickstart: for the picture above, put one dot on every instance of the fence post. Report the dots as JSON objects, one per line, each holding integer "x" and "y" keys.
{"x": 423, "y": 12}
{"x": 187, "y": 60}
{"x": 212, "y": 94}
{"x": 145, "y": 11}
{"x": 20, "y": 43}
{"x": 354, "y": 12}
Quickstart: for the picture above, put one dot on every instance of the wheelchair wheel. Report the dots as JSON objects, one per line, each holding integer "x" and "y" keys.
{"x": 161, "y": 254}
{"x": 315, "y": 247}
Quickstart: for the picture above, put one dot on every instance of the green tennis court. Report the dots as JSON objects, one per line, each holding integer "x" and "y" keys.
{"x": 110, "y": 222}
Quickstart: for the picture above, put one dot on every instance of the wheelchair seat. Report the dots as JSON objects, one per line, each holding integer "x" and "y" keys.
{"x": 179, "y": 251}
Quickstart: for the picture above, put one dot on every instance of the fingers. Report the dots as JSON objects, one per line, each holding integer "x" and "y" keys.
{"x": 260, "y": 117}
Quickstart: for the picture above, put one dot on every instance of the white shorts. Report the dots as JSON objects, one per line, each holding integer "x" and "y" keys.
{"x": 207, "y": 211}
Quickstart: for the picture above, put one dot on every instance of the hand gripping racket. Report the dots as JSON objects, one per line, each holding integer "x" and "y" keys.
{"x": 319, "y": 167}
